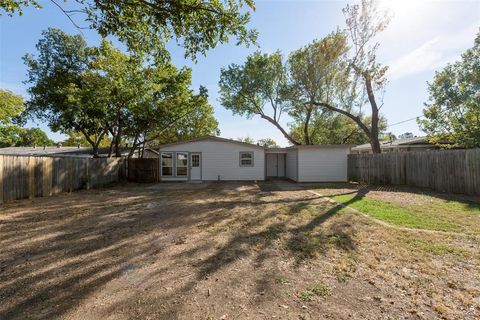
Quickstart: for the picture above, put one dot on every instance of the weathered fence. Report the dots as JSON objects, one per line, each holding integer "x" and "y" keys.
{"x": 143, "y": 170}
{"x": 456, "y": 171}
{"x": 29, "y": 176}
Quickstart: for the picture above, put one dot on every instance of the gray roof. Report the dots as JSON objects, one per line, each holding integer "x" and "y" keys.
{"x": 256, "y": 145}
{"x": 53, "y": 151}
{"x": 209, "y": 138}
{"x": 395, "y": 143}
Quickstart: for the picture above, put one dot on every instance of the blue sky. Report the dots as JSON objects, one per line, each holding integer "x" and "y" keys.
{"x": 422, "y": 37}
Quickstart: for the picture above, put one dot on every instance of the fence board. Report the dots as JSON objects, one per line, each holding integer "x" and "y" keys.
{"x": 28, "y": 176}
{"x": 455, "y": 171}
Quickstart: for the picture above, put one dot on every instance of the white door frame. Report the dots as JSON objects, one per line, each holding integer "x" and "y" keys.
{"x": 192, "y": 169}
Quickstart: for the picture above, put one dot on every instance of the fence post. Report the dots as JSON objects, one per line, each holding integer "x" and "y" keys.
{"x": 1, "y": 179}
{"x": 47, "y": 176}
{"x": 31, "y": 177}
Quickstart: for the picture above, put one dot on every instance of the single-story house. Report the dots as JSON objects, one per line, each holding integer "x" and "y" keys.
{"x": 398, "y": 145}
{"x": 215, "y": 159}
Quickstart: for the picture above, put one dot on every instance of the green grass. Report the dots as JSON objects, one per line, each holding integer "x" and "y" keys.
{"x": 434, "y": 248}
{"x": 320, "y": 289}
{"x": 400, "y": 216}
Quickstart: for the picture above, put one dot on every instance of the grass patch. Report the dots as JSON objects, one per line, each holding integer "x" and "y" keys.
{"x": 398, "y": 215}
{"x": 434, "y": 248}
{"x": 282, "y": 280}
{"x": 320, "y": 289}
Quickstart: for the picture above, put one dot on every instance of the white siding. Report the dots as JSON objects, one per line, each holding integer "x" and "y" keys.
{"x": 322, "y": 164}
{"x": 222, "y": 159}
{"x": 292, "y": 164}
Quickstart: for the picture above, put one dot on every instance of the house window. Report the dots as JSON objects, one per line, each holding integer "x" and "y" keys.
{"x": 167, "y": 164}
{"x": 246, "y": 159}
{"x": 182, "y": 164}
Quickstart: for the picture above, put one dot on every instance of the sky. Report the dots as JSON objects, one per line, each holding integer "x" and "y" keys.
{"x": 423, "y": 36}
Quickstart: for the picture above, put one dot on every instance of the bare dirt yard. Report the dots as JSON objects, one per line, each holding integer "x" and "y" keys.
{"x": 270, "y": 250}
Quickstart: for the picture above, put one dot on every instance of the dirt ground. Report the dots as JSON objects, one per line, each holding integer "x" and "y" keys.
{"x": 225, "y": 251}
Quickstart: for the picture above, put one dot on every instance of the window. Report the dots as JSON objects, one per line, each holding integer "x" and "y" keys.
{"x": 246, "y": 159}
{"x": 195, "y": 160}
{"x": 167, "y": 164}
{"x": 182, "y": 164}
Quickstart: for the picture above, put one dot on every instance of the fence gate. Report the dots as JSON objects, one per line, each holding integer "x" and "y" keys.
{"x": 143, "y": 170}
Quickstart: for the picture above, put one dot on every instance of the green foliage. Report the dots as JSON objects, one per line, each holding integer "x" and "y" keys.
{"x": 102, "y": 92}
{"x": 453, "y": 111}
{"x": 198, "y": 122}
{"x": 320, "y": 289}
{"x": 11, "y": 106}
{"x": 315, "y": 86}
{"x": 14, "y": 136}
{"x": 268, "y": 143}
{"x": 332, "y": 128}
{"x": 258, "y": 87}
{"x": 13, "y": 6}
{"x": 77, "y": 138}
{"x": 246, "y": 139}
{"x": 147, "y": 26}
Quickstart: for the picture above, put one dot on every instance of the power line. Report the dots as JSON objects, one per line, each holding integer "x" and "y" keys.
{"x": 394, "y": 124}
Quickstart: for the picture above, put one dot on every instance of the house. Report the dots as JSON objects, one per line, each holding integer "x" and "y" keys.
{"x": 398, "y": 145}
{"x": 216, "y": 159}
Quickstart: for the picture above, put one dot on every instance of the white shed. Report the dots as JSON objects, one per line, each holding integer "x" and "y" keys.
{"x": 217, "y": 159}
{"x": 312, "y": 163}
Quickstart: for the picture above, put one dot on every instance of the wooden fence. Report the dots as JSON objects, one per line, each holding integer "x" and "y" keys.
{"x": 143, "y": 170}
{"x": 455, "y": 171}
{"x": 30, "y": 176}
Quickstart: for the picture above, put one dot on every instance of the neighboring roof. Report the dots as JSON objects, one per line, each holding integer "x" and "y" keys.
{"x": 210, "y": 138}
{"x": 53, "y": 151}
{"x": 418, "y": 141}
{"x": 43, "y": 151}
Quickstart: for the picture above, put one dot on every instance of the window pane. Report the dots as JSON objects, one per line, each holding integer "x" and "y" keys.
{"x": 246, "y": 159}
{"x": 167, "y": 160}
{"x": 167, "y": 171}
{"x": 181, "y": 171}
{"x": 182, "y": 159}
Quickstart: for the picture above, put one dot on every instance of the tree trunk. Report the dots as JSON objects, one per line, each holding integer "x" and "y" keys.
{"x": 279, "y": 127}
{"x": 306, "y": 135}
{"x": 118, "y": 138}
{"x": 374, "y": 142}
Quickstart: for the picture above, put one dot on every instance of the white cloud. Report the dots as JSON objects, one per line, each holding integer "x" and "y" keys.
{"x": 433, "y": 54}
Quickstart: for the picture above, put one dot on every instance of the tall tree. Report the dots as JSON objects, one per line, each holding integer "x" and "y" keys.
{"x": 453, "y": 111}
{"x": 11, "y": 106}
{"x": 257, "y": 88}
{"x": 364, "y": 22}
{"x": 146, "y": 26}
{"x": 319, "y": 78}
{"x": 63, "y": 92}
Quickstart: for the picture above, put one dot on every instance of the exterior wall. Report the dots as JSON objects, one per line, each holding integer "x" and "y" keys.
{"x": 292, "y": 164}
{"x": 221, "y": 160}
{"x": 323, "y": 164}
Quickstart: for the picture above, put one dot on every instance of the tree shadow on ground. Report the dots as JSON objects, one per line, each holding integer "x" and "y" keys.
{"x": 56, "y": 252}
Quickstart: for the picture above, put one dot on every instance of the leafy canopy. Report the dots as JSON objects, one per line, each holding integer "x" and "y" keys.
{"x": 101, "y": 91}
{"x": 11, "y": 106}
{"x": 147, "y": 26}
{"x": 453, "y": 111}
